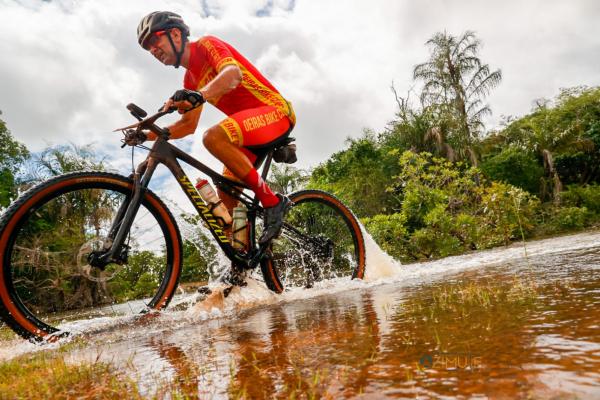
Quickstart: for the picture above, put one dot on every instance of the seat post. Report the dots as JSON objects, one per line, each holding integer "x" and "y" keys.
{"x": 265, "y": 171}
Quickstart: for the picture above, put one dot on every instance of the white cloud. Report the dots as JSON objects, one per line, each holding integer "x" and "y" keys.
{"x": 68, "y": 68}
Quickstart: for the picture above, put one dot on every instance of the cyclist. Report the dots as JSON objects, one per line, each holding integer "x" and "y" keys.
{"x": 217, "y": 73}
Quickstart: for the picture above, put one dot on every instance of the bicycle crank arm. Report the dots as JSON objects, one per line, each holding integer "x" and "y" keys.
{"x": 262, "y": 252}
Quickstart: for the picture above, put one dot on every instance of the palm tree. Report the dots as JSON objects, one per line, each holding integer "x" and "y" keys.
{"x": 455, "y": 84}
{"x": 286, "y": 179}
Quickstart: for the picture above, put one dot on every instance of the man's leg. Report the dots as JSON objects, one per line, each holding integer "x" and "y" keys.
{"x": 252, "y": 127}
{"x": 218, "y": 143}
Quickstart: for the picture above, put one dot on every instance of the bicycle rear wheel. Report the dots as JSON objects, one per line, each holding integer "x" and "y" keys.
{"x": 47, "y": 285}
{"x": 321, "y": 240}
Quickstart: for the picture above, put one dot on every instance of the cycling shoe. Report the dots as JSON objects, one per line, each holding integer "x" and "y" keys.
{"x": 274, "y": 219}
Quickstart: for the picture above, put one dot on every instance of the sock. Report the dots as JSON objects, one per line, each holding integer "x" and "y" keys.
{"x": 266, "y": 197}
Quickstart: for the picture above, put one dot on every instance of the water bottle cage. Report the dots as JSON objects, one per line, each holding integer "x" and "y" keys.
{"x": 241, "y": 244}
{"x": 211, "y": 207}
{"x": 238, "y": 242}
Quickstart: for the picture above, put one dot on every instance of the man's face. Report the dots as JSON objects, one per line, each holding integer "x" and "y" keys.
{"x": 160, "y": 47}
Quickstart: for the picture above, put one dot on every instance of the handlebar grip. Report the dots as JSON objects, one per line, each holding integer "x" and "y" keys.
{"x": 136, "y": 111}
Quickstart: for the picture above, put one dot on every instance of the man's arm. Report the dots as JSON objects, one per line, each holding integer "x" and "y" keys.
{"x": 186, "y": 125}
{"x": 225, "y": 81}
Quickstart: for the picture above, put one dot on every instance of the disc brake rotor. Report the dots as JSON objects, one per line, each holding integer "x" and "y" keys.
{"x": 90, "y": 272}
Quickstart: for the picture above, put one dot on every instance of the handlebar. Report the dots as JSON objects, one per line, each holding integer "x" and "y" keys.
{"x": 134, "y": 131}
{"x": 145, "y": 123}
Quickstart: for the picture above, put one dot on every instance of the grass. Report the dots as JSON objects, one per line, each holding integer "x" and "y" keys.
{"x": 483, "y": 294}
{"x": 6, "y": 333}
{"x": 47, "y": 375}
{"x": 464, "y": 299}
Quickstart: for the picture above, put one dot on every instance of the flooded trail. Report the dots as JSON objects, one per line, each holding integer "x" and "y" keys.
{"x": 503, "y": 323}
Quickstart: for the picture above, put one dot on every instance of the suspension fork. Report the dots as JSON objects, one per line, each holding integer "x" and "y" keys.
{"x": 126, "y": 214}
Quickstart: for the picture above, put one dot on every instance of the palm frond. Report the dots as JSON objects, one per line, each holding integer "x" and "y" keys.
{"x": 483, "y": 111}
{"x": 489, "y": 82}
{"x": 465, "y": 39}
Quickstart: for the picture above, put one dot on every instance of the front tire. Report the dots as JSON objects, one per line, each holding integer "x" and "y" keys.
{"x": 46, "y": 238}
{"x": 321, "y": 240}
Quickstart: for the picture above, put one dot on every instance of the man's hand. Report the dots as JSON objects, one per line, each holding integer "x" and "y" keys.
{"x": 185, "y": 100}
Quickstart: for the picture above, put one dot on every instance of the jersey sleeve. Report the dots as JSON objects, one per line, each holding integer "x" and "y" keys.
{"x": 189, "y": 82}
{"x": 218, "y": 54}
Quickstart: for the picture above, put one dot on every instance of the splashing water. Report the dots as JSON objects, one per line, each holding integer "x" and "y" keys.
{"x": 380, "y": 267}
{"x": 379, "y": 264}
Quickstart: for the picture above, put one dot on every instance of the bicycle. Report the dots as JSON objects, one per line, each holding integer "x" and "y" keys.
{"x": 88, "y": 244}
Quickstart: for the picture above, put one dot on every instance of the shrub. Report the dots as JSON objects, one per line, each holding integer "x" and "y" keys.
{"x": 516, "y": 167}
{"x": 450, "y": 208}
{"x": 389, "y": 231}
{"x": 567, "y": 218}
{"x": 432, "y": 242}
{"x": 508, "y": 212}
{"x": 582, "y": 196}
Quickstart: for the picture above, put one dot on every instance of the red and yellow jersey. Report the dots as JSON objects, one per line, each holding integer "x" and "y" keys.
{"x": 209, "y": 55}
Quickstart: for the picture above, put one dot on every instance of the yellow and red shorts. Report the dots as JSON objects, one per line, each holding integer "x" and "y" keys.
{"x": 256, "y": 127}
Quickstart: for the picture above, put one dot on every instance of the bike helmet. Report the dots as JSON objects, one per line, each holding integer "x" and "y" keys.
{"x": 163, "y": 21}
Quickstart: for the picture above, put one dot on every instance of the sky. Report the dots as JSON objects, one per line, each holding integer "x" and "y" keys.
{"x": 69, "y": 67}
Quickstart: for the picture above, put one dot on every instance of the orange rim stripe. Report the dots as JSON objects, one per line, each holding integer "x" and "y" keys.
{"x": 352, "y": 219}
{"x": 6, "y": 300}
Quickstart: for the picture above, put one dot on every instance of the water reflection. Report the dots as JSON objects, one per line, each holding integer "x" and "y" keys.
{"x": 512, "y": 331}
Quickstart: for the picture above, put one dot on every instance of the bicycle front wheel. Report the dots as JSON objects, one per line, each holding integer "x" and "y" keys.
{"x": 321, "y": 240}
{"x": 47, "y": 285}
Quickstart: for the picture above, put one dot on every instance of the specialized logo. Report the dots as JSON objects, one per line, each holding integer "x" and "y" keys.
{"x": 202, "y": 208}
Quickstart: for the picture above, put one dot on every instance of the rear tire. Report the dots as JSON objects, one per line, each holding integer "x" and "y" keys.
{"x": 46, "y": 236}
{"x": 321, "y": 240}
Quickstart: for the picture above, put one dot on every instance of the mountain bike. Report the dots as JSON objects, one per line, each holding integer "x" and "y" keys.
{"x": 95, "y": 244}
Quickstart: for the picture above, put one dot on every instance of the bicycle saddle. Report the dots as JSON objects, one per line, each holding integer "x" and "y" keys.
{"x": 263, "y": 150}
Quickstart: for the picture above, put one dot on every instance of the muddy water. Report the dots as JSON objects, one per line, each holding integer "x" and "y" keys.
{"x": 488, "y": 325}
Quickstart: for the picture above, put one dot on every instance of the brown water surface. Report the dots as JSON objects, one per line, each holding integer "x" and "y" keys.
{"x": 521, "y": 329}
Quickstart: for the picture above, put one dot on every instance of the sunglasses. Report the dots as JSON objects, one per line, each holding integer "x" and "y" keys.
{"x": 154, "y": 39}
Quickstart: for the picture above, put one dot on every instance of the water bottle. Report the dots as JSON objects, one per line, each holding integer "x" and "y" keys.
{"x": 240, "y": 227}
{"x": 217, "y": 208}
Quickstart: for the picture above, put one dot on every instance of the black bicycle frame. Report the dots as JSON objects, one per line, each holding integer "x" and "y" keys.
{"x": 162, "y": 152}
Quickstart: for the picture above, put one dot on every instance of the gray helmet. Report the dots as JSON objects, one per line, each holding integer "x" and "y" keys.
{"x": 160, "y": 21}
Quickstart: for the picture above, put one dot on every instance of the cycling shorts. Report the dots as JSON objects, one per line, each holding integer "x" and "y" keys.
{"x": 255, "y": 127}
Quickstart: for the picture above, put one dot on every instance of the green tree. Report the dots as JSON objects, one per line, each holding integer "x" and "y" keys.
{"x": 64, "y": 236}
{"x": 564, "y": 134}
{"x": 444, "y": 211}
{"x": 12, "y": 157}
{"x": 286, "y": 179}
{"x": 199, "y": 250}
{"x": 410, "y": 128}
{"x": 61, "y": 159}
{"x": 516, "y": 166}
{"x": 358, "y": 175}
{"x": 139, "y": 277}
{"x": 455, "y": 83}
